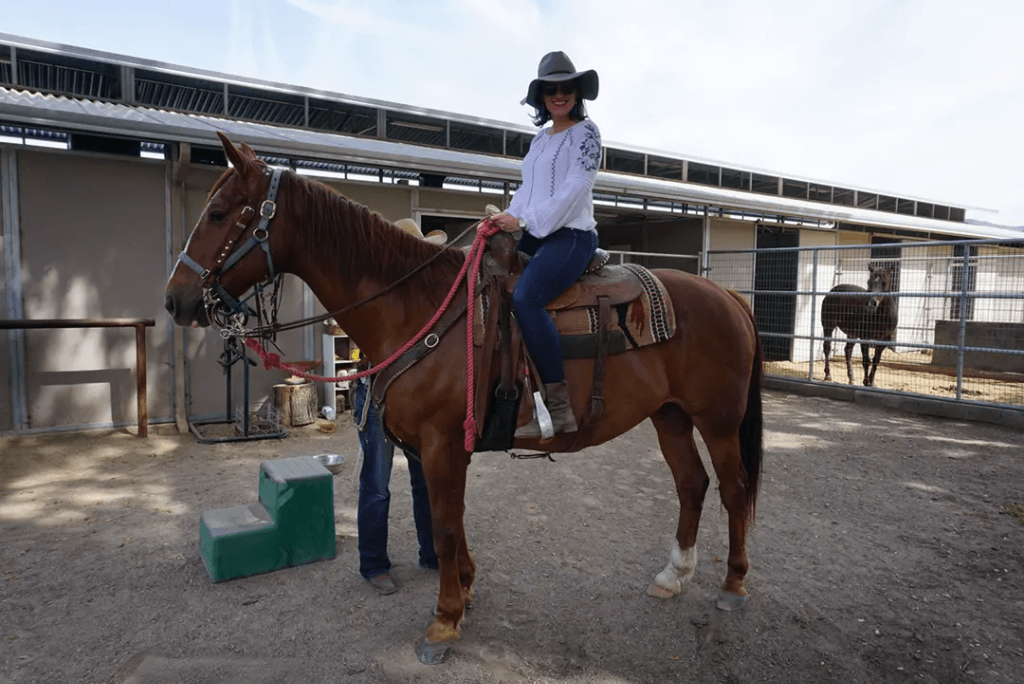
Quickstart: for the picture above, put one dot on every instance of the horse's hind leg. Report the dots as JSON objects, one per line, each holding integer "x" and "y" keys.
{"x": 675, "y": 436}
{"x": 726, "y": 458}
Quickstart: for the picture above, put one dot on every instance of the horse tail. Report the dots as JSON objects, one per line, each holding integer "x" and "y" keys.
{"x": 752, "y": 426}
{"x": 752, "y": 430}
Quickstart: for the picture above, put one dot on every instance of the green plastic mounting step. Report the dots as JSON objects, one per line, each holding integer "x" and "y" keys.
{"x": 292, "y": 524}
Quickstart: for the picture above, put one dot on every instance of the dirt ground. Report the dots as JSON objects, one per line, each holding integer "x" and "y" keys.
{"x": 911, "y": 372}
{"x": 887, "y": 549}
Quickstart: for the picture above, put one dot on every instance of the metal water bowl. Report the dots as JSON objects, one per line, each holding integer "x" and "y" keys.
{"x": 332, "y": 462}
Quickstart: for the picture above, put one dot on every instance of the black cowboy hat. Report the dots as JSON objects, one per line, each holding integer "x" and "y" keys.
{"x": 556, "y": 67}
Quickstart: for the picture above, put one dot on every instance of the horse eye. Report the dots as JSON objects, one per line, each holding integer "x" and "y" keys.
{"x": 217, "y": 216}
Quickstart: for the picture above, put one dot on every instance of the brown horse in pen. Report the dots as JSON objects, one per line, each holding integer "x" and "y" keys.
{"x": 707, "y": 376}
{"x": 863, "y": 315}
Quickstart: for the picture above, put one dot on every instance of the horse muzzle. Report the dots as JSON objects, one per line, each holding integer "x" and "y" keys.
{"x": 186, "y": 307}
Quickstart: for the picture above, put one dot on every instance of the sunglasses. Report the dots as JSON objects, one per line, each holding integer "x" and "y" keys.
{"x": 567, "y": 88}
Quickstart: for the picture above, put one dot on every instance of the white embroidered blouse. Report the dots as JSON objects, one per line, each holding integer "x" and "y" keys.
{"x": 558, "y": 180}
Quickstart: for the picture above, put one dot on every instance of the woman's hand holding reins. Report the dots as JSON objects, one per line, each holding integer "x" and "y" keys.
{"x": 506, "y": 222}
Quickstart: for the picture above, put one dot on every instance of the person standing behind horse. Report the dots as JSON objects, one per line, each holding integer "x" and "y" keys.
{"x": 375, "y": 478}
{"x": 554, "y": 207}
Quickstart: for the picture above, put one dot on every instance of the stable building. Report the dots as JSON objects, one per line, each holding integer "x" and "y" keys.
{"x": 106, "y": 160}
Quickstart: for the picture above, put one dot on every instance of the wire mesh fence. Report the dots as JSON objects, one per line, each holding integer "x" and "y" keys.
{"x": 948, "y": 317}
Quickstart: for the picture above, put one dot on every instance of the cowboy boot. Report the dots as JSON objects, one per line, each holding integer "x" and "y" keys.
{"x": 559, "y": 409}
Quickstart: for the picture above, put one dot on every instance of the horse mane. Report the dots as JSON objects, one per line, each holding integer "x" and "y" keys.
{"x": 360, "y": 242}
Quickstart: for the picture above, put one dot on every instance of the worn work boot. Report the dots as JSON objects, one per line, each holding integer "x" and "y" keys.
{"x": 558, "y": 407}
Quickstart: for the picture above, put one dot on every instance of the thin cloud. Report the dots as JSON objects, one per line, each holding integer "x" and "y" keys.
{"x": 388, "y": 21}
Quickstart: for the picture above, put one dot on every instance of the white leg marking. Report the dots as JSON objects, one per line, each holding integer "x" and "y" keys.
{"x": 681, "y": 566}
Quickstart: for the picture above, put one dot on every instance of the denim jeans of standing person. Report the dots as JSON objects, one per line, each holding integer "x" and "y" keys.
{"x": 558, "y": 261}
{"x": 375, "y": 495}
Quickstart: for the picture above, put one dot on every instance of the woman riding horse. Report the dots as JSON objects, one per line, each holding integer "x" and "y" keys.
{"x": 706, "y": 376}
{"x": 554, "y": 207}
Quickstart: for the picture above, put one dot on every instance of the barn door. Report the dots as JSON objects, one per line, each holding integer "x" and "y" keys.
{"x": 775, "y": 279}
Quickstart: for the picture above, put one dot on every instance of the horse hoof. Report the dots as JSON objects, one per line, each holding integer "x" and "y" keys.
{"x": 658, "y": 591}
{"x": 433, "y": 654}
{"x": 729, "y": 601}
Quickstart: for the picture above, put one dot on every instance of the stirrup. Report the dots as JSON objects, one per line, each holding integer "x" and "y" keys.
{"x": 541, "y": 425}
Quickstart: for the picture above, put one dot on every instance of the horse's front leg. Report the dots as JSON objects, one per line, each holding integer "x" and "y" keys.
{"x": 869, "y": 379}
{"x": 848, "y": 353}
{"x": 445, "y": 468}
{"x": 828, "y": 352}
{"x": 865, "y": 353}
{"x": 726, "y": 457}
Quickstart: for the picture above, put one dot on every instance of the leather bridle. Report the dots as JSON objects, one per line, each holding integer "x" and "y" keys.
{"x": 223, "y": 310}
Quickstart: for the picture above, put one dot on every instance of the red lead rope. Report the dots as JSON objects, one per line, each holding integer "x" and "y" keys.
{"x": 476, "y": 253}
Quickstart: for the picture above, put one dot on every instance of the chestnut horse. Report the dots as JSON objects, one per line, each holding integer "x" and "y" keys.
{"x": 864, "y": 315}
{"x": 708, "y": 376}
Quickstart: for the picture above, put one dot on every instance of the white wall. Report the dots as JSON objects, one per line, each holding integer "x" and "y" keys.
{"x": 93, "y": 235}
{"x": 808, "y": 307}
{"x": 732, "y": 271}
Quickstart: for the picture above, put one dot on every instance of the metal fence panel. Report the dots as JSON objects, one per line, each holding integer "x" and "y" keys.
{"x": 959, "y": 332}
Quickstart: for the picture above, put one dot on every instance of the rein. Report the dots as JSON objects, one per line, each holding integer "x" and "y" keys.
{"x": 270, "y": 330}
{"x": 230, "y": 314}
{"x": 487, "y": 228}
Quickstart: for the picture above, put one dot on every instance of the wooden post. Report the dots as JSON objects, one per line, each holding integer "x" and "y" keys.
{"x": 142, "y": 402}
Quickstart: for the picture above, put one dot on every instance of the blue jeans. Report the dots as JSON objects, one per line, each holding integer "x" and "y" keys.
{"x": 558, "y": 261}
{"x": 375, "y": 496}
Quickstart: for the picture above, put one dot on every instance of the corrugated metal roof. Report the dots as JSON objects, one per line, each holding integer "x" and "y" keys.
{"x": 76, "y": 72}
{"x": 34, "y": 109}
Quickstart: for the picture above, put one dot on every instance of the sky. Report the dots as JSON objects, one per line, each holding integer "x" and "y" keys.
{"x": 920, "y": 98}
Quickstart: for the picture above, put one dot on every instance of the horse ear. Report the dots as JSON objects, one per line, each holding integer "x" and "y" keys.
{"x": 250, "y": 156}
{"x": 242, "y": 162}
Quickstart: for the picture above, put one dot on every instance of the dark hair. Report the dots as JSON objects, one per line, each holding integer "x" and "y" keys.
{"x": 542, "y": 115}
